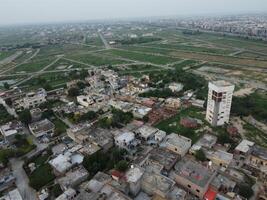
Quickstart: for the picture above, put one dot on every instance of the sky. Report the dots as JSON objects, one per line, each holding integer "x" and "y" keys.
{"x": 42, "y": 11}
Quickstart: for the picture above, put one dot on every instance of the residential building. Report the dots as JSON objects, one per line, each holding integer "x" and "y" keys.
{"x": 244, "y": 147}
{"x": 31, "y": 100}
{"x": 258, "y": 158}
{"x": 219, "y": 157}
{"x": 146, "y": 132}
{"x": 178, "y": 144}
{"x": 73, "y": 178}
{"x": 133, "y": 177}
{"x": 193, "y": 177}
{"x": 42, "y": 128}
{"x": 10, "y": 130}
{"x": 156, "y": 184}
{"x": 69, "y": 194}
{"x": 64, "y": 162}
{"x": 219, "y": 102}
{"x": 176, "y": 87}
{"x": 173, "y": 103}
{"x": 12, "y": 195}
{"x": 160, "y": 135}
{"x": 125, "y": 140}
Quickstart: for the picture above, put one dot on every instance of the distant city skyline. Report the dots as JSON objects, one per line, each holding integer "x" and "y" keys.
{"x": 42, "y": 11}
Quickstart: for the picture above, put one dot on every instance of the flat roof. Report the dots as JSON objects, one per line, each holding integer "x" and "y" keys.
{"x": 259, "y": 152}
{"x": 126, "y": 136}
{"x": 158, "y": 181}
{"x": 134, "y": 174}
{"x": 43, "y": 125}
{"x": 221, "y": 83}
{"x": 178, "y": 140}
{"x": 244, "y": 146}
{"x": 193, "y": 172}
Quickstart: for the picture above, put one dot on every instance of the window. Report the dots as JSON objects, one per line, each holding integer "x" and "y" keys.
{"x": 198, "y": 190}
{"x": 189, "y": 186}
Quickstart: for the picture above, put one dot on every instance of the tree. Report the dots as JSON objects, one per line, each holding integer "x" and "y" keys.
{"x": 73, "y": 92}
{"x": 245, "y": 191}
{"x": 200, "y": 155}
{"x": 6, "y": 85}
{"x": 81, "y": 85}
{"x": 25, "y": 116}
{"x": 9, "y": 101}
{"x": 122, "y": 166}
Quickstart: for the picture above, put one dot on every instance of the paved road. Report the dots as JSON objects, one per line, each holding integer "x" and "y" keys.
{"x": 106, "y": 44}
{"x": 11, "y": 111}
{"x": 22, "y": 180}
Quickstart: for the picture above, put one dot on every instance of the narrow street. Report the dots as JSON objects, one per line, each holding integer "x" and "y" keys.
{"x": 22, "y": 180}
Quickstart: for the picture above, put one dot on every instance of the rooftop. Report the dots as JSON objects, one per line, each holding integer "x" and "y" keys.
{"x": 65, "y": 161}
{"x": 259, "y": 152}
{"x": 146, "y": 131}
{"x": 244, "y": 146}
{"x": 221, "y": 83}
{"x": 43, "y": 125}
{"x": 164, "y": 157}
{"x": 178, "y": 140}
{"x": 134, "y": 174}
{"x": 126, "y": 136}
{"x": 72, "y": 177}
{"x": 193, "y": 172}
{"x": 157, "y": 182}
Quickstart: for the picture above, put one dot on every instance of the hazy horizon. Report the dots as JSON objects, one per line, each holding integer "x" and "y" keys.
{"x": 48, "y": 11}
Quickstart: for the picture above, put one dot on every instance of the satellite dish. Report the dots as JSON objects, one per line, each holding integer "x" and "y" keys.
{"x": 132, "y": 166}
{"x": 210, "y": 163}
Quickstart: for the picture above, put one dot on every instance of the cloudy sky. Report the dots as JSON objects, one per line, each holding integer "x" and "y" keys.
{"x": 34, "y": 11}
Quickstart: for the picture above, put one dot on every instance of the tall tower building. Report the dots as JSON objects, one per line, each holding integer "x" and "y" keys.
{"x": 219, "y": 102}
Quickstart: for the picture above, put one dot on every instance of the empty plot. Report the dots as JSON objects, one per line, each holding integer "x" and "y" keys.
{"x": 221, "y": 59}
{"x": 95, "y": 59}
{"x": 156, "y": 59}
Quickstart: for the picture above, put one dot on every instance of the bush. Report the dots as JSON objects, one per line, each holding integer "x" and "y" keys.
{"x": 122, "y": 166}
{"x": 200, "y": 155}
{"x": 41, "y": 177}
{"x": 73, "y": 92}
{"x": 25, "y": 116}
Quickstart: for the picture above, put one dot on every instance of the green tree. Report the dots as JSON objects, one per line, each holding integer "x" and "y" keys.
{"x": 122, "y": 166}
{"x": 245, "y": 191}
{"x": 200, "y": 155}
{"x": 73, "y": 92}
{"x": 81, "y": 85}
{"x": 25, "y": 116}
{"x": 6, "y": 86}
{"x": 9, "y": 101}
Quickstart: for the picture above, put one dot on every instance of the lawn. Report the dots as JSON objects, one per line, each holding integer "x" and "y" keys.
{"x": 255, "y": 135}
{"x": 41, "y": 176}
{"x": 32, "y": 66}
{"x": 143, "y": 57}
{"x": 220, "y": 59}
{"x": 96, "y": 60}
{"x": 192, "y": 48}
{"x": 172, "y": 125}
{"x": 255, "y": 104}
{"x": 5, "y": 54}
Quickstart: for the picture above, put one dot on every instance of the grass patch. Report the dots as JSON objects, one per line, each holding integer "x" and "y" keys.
{"x": 156, "y": 59}
{"x": 172, "y": 125}
{"x": 41, "y": 176}
{"x": 95, "y": 59}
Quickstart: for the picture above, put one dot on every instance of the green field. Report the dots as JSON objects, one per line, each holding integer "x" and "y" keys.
{"x": 96, "y": 60}
{"x": 155, "y": 59}
{"x": 32, "y": 66}
{"x": 172, "y": 125}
